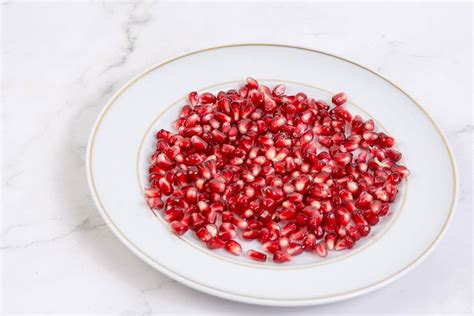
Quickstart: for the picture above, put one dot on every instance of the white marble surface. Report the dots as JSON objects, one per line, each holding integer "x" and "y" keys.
{"x": 62, "y": 61}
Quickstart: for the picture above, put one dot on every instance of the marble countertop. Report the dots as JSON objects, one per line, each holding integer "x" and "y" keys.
{"x": 62, "y": 61}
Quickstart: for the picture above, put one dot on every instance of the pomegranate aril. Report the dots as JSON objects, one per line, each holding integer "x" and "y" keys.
{"x": 233, "y": 247}
{"x": 330, "y": 240}
{"x": 250, "y": 234}
{"x": 364, "y": 200}
{"x": 371, "y": 218}
{"x": 193, "y": 98}
{"x": 227, "y": 235}
{"x": 204, "y": 234}
{"x": 321, "y": 249}
{"x": 339, "y": 99}
{"x": 394, "y": 155}
{"x": 252, "y": 83}
{"x": 364, "y": 230}
{"x": 344, "y": 243}
{"x": 227, "y": 225}
{"x": 309, "y": 241}
{"x": 215, "y": 243}
{"x": 155, "y": 203}
{"x": 174, "y": 215}
{"x": 217, "y": 186}
{"x": 279, "y": 90}
{"x": 178, "y": 227}
{"x": 294, "y": 249}
{"x": 343, "y": 216}
{"x": 299, "y": 234}
{"x": 271, "y": 246}
{"x": 401, "y": 170}
{"x": 280, "y": 257}
{"x": 354, "y": 233}
{"x": 196, "y": 221}
{"x": 256, "y": 255}
{"x": 207, "y": 98}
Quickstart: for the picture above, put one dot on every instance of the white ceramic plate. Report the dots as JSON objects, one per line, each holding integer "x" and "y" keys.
{"x": 123, "y": 138}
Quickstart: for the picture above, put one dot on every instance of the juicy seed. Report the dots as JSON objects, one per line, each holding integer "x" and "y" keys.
{"x": 321, "y": 249}
{"x": 179, "y": 228}
{"x": 339, "y": 99}
{"x": 256, "y": 255}
{"x": 233, "y": 247}
{"x": 280, "y": 257}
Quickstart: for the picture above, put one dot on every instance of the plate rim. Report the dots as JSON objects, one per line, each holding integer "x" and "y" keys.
{"x": 243, "y": 298}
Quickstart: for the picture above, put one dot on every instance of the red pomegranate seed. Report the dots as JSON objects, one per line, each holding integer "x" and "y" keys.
{"x": 344, "y": 243}
{"x": 215, "y": 243}
{"x": 339, "y": 99}
{"x": 193, "y": 98}
{"x": 155, "y": 203}
{"x": 364, "y": 230}
{"x": 179, "y": 228}
{"x": 299, "y": 234}
{"x": 309, "y": 241}
{"x": 294, "y": 249}
{"x": 288, "y": 171}
{"x": 256, "y": 255}
{"x": 204, "y": 234}
{"x": 343, "y": 216}
{"x": 321, "y": 249}
{"x": 283, "y": 242}
{"x": 271, "y": 246}
{"x": 279, "y": 90}
{"x": 354, "y": 233}
{"x": 216, "y": 186}
{"x": 280, "y": 257}
{"x": 233, "y": 247}
{"x": 250, "y": 234}
{"x": 174, "y": 215}
{"x": 212, "y": 229}
{"x": 252, "y": 83}
{"x": 227, "y": 235}
{"x": 207, "y": 98}
{"x": 330, "y": 240}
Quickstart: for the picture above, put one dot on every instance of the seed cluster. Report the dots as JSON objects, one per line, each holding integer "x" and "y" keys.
{"x": 292, "y": 172}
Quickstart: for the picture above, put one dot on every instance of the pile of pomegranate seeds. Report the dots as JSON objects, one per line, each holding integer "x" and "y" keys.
{"x": 296, "y": 174}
